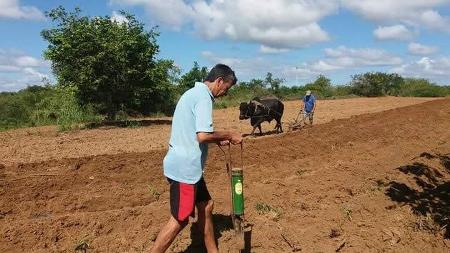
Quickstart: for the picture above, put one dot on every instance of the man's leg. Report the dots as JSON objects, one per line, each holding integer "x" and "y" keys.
{"x": 205, "y": 224}
{"x": 305, "y": 116}
{"x": 167, "y": 235}
{"x": 182, "y": 201}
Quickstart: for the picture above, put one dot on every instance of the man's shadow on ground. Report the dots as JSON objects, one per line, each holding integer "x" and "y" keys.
{"x": 432, "y": 199}
{"x": 222, "y": 223}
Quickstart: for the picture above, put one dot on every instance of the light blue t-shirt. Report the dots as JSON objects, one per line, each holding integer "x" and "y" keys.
{"x": 186, "y": 157}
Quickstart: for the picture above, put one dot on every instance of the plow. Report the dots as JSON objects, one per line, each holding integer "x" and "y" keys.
{"x": 298, "y": 123}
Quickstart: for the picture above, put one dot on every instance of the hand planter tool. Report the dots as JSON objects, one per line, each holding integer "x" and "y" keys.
{"x": 236, "y": 179}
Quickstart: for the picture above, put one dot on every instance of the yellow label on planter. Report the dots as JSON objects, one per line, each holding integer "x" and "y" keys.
{"x": 238, "y": 188}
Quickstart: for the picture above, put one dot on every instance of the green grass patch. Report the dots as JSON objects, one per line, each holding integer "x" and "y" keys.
{"x": 154, "y": 192}
{"x": 265, "y": 209}
{"x": 82, "y": 246}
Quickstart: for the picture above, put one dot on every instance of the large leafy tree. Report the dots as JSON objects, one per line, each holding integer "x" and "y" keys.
{"x": 374, "y": 84}
{"x": 321, "y": 86}
{"x": 111, "y": 64}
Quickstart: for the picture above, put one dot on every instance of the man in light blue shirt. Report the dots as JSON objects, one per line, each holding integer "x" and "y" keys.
{"x": 186, "y": 156}
{"x": 192, "y": 130}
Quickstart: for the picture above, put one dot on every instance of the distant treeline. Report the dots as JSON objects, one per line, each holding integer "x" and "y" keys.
{"x": 108, "y": 70}
{"x": 53, "y": 104}
{"x": 370, "y": 84}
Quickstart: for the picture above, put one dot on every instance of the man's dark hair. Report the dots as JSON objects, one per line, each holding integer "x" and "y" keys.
{"x": 221, "y": 70}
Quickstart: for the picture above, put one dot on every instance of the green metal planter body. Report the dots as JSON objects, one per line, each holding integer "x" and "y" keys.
{"x": 237, "y": 187}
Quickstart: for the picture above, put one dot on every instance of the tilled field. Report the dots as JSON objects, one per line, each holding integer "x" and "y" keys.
{"x": 45, "y": 143}
{"x": 377, "y": 182}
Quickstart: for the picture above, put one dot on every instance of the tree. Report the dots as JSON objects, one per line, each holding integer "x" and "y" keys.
{"x": 374, "y": 84}
{"x": 413, "y": 87}
{"x": 393, "y": 84}
{"x": 272, "y": 83}
{"x": 112, "y": 65}
{"x": 255, "y": 84}
{"x": 196, "y": 74}
{"x": 322, "y": 83}
{"x": 322, "y": 86}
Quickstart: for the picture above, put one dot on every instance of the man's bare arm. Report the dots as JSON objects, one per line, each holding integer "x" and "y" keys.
{"x": 218, "y": 136}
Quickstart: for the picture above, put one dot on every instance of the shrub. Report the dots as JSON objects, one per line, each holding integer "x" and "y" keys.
{"x": 63, "y": 109}
{"x": 422, "y": 88}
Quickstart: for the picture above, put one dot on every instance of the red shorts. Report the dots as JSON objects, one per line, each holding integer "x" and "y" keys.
{"x": 183, "y": 198}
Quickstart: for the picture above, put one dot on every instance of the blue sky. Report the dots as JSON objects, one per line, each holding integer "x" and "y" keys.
{"x": 294, "y": 39}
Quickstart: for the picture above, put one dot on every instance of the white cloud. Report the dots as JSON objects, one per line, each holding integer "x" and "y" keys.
{"x": 419, "y": 49}
{"x": 34, "y": 73}
{"x": 246, "y": 68}
{"x": 249, "y": 68}
{"x": 19, "y": 70}
{"x": 395, "y": 32}
{"x": 276, "y": 24}
{"x": 434, "y": 20}
{"x": 409, "y": 12}
{"x": 8, "y": 68}
{"x": 119, "y": 18}
{"x": 343, "y": 57}
{"x": 270, "y": 50}
{"x": 283, "y": 24}
{"x": 271, "y": 23}
{"x": 174, "y": 13}
{"x": 17, "y": 60}
{"x": 27, "y": 61}
{"x": 214, "y": 59}
{"x": 336, "y": 59}
{"x": 302, "y": 72}
{"x": 12, "y": 9}
{"x": 16, "y": 81}
{"x": 426, "y": 67}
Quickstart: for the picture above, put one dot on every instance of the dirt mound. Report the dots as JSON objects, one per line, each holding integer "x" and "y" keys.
{"x": 375, "y": 182}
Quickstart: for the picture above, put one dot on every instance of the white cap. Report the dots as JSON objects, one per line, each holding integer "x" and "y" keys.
{"x": 308, "y": 92}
